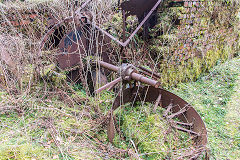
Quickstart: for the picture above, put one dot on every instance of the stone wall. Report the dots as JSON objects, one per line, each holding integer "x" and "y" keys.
{"x": 192, "y": 36}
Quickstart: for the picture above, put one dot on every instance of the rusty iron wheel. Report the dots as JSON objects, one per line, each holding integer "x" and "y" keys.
{"x": 72, "y": 46}
{"x": 180, "y": 116}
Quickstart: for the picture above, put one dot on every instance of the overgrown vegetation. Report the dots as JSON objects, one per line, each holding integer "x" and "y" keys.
{"x": 48, "y": 128}
{"x": 212, "y": 95}
{"x": 190, "y": 40}
{"x": 45, "y": 116}
{"x": 151, "y": 133}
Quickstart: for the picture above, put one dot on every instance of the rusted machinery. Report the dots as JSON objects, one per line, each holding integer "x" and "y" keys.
{"x": 75, "y": 44}
{"x": 181, "y": 115}
{"x": 86, "y": 38}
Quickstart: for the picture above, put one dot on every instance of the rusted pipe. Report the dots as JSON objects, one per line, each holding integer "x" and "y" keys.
{"x": 146, "y": 80}
{"x": 133, "y": 75}
{"x": 108, "y": 66}
{"x": 150, "y": 72}
{"x": 110, "y": 84}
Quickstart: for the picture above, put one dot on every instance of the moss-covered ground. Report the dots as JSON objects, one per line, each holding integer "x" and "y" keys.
{"x": 50, "y": 129}
{"x": 151, "y": 133}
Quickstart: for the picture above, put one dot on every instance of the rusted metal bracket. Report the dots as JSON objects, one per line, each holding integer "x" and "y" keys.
{"x": 123, "y": 43}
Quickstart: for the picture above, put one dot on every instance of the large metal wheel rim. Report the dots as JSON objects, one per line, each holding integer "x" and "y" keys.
{"x": 150, "y": 94}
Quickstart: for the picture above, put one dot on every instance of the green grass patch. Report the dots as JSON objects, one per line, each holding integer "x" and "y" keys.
{"x": 150, "y": 132}
{"x": 210, "y": 95}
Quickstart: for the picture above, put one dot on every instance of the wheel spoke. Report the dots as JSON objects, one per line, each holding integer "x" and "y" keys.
{"x": 177, "y": 113}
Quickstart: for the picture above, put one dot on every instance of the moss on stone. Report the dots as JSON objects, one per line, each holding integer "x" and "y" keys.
{"x": 187, "y": 51}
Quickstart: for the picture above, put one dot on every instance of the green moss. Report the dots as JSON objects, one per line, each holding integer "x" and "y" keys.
{"x": 191, "y": 69}
{"x": 187, "y": 51}
{"x": 22, "y": 151}
{"x": 148, "y": 130}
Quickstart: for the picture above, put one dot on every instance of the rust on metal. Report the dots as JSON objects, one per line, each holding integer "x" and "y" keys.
{"x": 184, "y": 124}
{"x": 155, "y": 75}
{"x": 169, "y": 107}
{"x": 75, "y": 45}
{"x": 52, "y": 29}
{"x": 173, "y": 104}
{"x": 125, "y": 43}
{"x": 126, "y": 72}
{"x": 186, "y": 130}
{"x": 145, "y": 80}
{"x": 157, "y": 103}
{"x": 151, "y": 94}
{"x": 137, "y": 7}
{"x": 111, "y": 128}
{"x": 108, "y": 66}
{"x": 108, "y": 85}
{"x": 70, "y": 47}
{"x": 183, "y": 110}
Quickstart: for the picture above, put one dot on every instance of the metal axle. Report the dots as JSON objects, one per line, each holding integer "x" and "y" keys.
{"x": 126, "y": 72}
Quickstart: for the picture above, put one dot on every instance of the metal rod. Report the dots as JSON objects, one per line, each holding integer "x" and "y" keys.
{"x": 157, "y": 102}
{"x": 146, "y": 80}
{"x": 108, "y": 66}
{"x": 149, "y": 71}
{"x": 133, "y": 75}
{"x": 185, "y": 130}
{"x": 141, "y": 24}
{"x": 184, "y": 124}
{"x": 109, "y": 35}
{"x": 177, "y": 113}
{"x": 169, "y": 107}
{"x": 110, "y": 88}
{"x": 124, "y": 43}
{"x": 110, "y": 84}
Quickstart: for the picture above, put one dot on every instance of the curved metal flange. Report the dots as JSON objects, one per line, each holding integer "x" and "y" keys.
{"x": 182, "y": 110}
